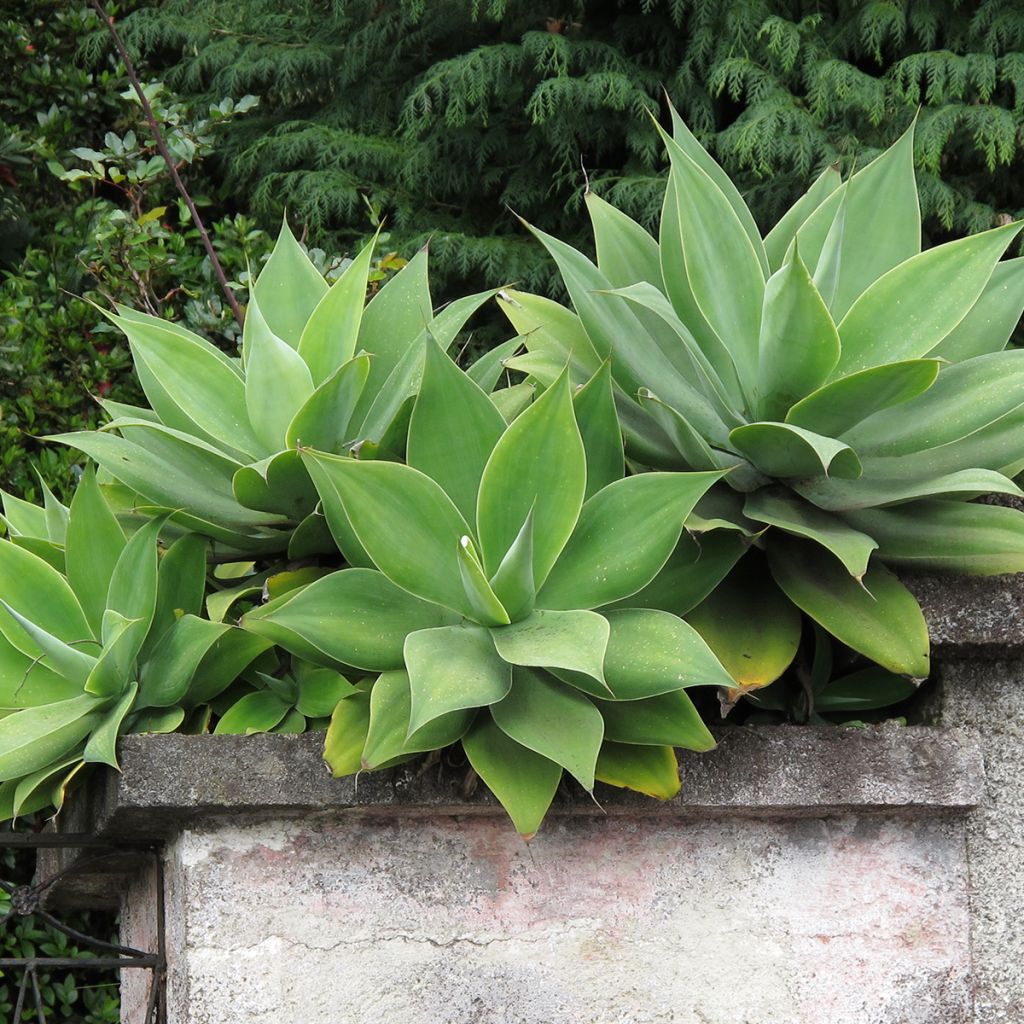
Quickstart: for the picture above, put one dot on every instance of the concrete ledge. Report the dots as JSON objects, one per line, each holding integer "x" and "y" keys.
{"x": 978, "y": 615}
{"x": 170, "y": 782}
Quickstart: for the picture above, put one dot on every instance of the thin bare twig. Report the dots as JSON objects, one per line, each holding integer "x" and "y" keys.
{"x": 161, "y": 145}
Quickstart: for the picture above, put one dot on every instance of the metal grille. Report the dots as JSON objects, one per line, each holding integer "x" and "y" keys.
{"x": 28, "y": 900}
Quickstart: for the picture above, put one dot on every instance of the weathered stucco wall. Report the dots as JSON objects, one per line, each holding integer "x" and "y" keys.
{"x": 803, "y": 876}
{"x": 848, "y": 920}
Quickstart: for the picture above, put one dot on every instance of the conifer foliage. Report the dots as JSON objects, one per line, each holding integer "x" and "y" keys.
{"x": 440, "y": 115}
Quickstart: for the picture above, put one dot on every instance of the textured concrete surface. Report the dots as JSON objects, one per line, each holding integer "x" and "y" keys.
{"x": 989, "y": 695}
{"x": 601, "y": 921}
{"x": 983, "y": 615}
{"x": 168, "y": 782}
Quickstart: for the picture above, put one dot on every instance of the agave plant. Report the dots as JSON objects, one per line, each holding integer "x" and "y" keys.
{"x": 498, "y": 613}
{"x": 216, "y": 448}
{"x": 100, "y": 635}
{"x": 853, "y": 388}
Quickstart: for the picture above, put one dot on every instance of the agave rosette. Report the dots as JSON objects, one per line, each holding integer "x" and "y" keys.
{"x": 216, "y": 448}
{"x": 856, "y": 391}
{"x": 99, "y": 635}
{"x": 495, "y": 609}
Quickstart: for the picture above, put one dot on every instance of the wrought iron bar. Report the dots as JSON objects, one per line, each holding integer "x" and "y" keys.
{"x": 26, "y": 901}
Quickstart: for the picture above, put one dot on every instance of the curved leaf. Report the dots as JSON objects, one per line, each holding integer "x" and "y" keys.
{"x": 523, "y": 781}
{"x": 328, "y": 338}
{"x": 779, "y": 507}
{"x": 783, "y": 450}
{"x": 669, "y": 720}
{"x": 539, "y": 464}
{"x": 453, "y": 430}
{"x": 880, "y": 618}
{"x": 932, "y": 292}
{"x": 841, "y": 405}
{"x": 346, "y": 735}
{"x": 573, "y": 640}
{"x": 652, "y": 771}
{"x": 749, "y": 625}
{"x": 288, "y": 288}
{"x": 384, "y": 501}
{"x": 453, "y": 668}
{"x": 357, "y": 617}
{"x": 625, "y": 534}
{"x": 553, "y": 720}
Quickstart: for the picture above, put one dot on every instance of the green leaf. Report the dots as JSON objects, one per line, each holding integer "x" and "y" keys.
{"x": 781, "y": 508}
{"x": 965, "y": 398}
{"x": 324, "y": 422}
{"x": 171, "y": 472}
{"x": 947, "y": 536}
{"x": 866, "y": 690}
{"x": 356, "y": 617}
{"x": 486, "y": 371}
{"x": 514, "y": 401}
{"x": 670, "y": 720}
{"x": 778, "y": 240}
{"x": 230, "y": 655}
{"x": 547, "y": 326}
{"x": 992, "y": 320}
{"x": 102, "y": 745}
{"x": 625, "y": 534}
{"x": 346, "y": 735}
{"x": 22, "y": 517}
{"x": 881, "y": 222}
{"x": 693, "y": 570}
{"x": 288, "y": 288}
{"x": 279, "y": 485}
{"x": 166, "y": 675}
{"x": 56, "y": 515}
{"x": 552, "y": 720}
{"x": 484, "y": 606}
{"x": 94, "y": 542}
{"x": 277, "y": 383}
{"x": 181, "y": 584}
{"x": 190, "y": 387}
{"x": 539, "y": 464}
{"x": 133, "y": 588}
{"x": 882, "y": 491}
{"x": 784, "y": 450}
{"x": 62, "y": 658}
{"x": 688, "y": 144}
{"x": 37, "y": 737}
{"x": 329, "y": 336}
{"x": 453, "y": 430}
{"x": 524, "y": 782}
{"x": 157, "y": 720}
{"x": 626, "y": 252}
{"x": 453, "y": 668}
{"x": 652, "y": 652}
{"x": 798, "y": 345}
{"x": 115, "y": 667}
{"x": 513, "y": 582}
{"x": 652, "y": 771}
{"x": 392, "y": 322}
{"x": 932, "y": 293}
{"x": 388, "y": 735}
{"x": 880, "y": 618}
{"x": 384, "y": 501}
{"x": 594, "y": 408}
{"x": 26, "y": 682}
{"x": 39, "y": 593}
{"x": 749, "y": 625}
{"x": 255, "y": 712}
{"x": 320, "y": 690}
{"x": 715, "y": 248}
{"x": 841, "y": 405}
{"x": 573, "y": 640}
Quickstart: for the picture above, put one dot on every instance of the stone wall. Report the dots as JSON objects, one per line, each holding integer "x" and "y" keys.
{"x": 803, "y": 876}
